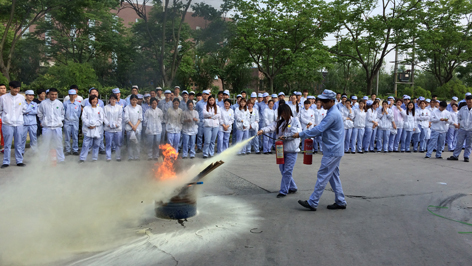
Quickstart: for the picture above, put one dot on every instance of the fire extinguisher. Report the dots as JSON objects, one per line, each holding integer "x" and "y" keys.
{"x": 279, "y": 152}
{"x": 52, "y": 154}
{"x": 308, "y": 148}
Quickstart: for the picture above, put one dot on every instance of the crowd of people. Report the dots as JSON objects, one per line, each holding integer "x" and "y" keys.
{"x": 197, "y": 122}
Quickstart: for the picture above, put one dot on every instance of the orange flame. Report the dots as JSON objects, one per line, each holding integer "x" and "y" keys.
{"x": 166, "y": 168}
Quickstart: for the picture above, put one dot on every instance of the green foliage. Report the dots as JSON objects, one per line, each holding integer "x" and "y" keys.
{"x": 3, "y": 79}
{"x": 452, "y": 88}
{"x": 415, "y": 91}
{"x": 63, "y": 76}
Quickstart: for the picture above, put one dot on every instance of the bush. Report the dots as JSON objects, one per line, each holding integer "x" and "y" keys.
{"x": 3, "y": 79}
{"x": 416, "y": 91}
{"x": 452, "y": 88}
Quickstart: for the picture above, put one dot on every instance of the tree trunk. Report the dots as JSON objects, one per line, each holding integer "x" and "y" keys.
{"x": 369, "y": 84}
{"x": 271, "y": 84}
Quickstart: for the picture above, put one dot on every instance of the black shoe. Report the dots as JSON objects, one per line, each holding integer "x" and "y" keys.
{"x": 81, "y": 161}
{"x": 280, "y": 195}
{"x": 67, "y": 153}
{"x": 258, "y": 152}
{"x": 421, "y": 151}
{"x": 118, "y": 160}
{"x": 204, "y": 157}
{"x": 265, "y": 152}
{"x": 353, "y": 152}
{"x": 292, "y": 191}
{"x": 102, "y": 152}
{"x": 452, "y": 158}
{"x": 335, "y": 206}
{"x": 20, "y": 164}
{"x": 438, "y": 157}
{"x": 270, "y": 152}
{"x": 466, "y": 160}
{"x": 198, "y": 151}
{"x": 4, "y": 166}
{"x": 427, "y": 157}
{"x": 361, "y": 152}
{"x": 76, "y": 153}
{"x": 184, "y": 157}
{"x": 305, "y": 204}
{"x": 415, "y": 151}
{"x": 192, "y": 157}
{"x": 402, "y": 151}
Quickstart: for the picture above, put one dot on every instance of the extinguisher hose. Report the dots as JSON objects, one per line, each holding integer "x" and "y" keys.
{"x": 286, "y": 138}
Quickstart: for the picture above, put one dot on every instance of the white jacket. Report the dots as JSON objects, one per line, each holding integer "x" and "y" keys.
{"x": 385, "y": 120}
{"x": 436, "y": 123}
{"x": 11, "y": 109}
{"x": 348, "y": 124}
{"x": 92, "y": 117}
{"x": 254, "y": 119}
{"x": 226, "y": 118}
{"x": 270, "y": 116}
{"x": 173, "y": 120}
{"x": 398, "y": 116}
{"x": 190, "y": 128}
{"x": 320, "y": 114}
{"x": 133, "y": 114}
{"x": 464, "y": 116}
{"x": 51, "y": 114}
{"x": 306, "y": 117}
{"x": 453, "y": 119}
{"x": 294, "y": 109}
{"x": 371, "y": 117}
{"x": 113, "y": 118}
{"x": 242, "y": 119}
{"x": 153, "y": 119}
{"x": 359, "y": 118}
{"x": 410, "y": 122}
{"x": 293, "y": 127}
{"x": 423, "y": 117}
{"x": 210, "y": 119}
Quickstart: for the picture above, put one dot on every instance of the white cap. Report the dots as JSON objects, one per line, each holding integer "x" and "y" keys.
{"x": 140, "y": 96}
{"x": 428, "y": 100}
{"x": 167, "y": 91}
{"x": 327, "y": 94}
{"x": 71, "y": 92}
{"x": 147, "y": 95}
{"x": 206, "y": 92}
{"x": 265, "y": 94}
{"x": 455, "y": 98}
{"x": 281, "y": 93}
{"x": 239, "y": 95}
{"x": 177, "y": 87}
{"x": 192, "y": 92}
{"x": 310, "y": 97}
{"x": 274, "y": 95}
{"x": 298, "y": 93}
{"x": 184, "y": 91}
{"x": 390, "y": 97}
{"x": 226, "y": 92}
{"x": 253, "y": 95}
{"x": 135, "y": 86}
{"x": 259, "y": 95}
{"x": 158, "y": 88}
{"x": 406, "y": 97}
{"x": 468, "y": 94}
{"x": 31, "y": 92}
{"x": 365, "y": 98}
{"x": 354, "y": 97}
{"x": 115, "y": 90}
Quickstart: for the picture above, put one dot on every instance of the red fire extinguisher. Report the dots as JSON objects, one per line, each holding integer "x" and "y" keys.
{"x": 308, "y": 148}
{"x": 279, "y": 152}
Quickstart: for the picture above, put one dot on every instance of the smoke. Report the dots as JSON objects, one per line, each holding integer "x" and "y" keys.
{"x": 48, "y": 213}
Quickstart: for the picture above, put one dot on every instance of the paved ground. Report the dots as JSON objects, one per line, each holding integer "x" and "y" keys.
{"x": 241, "y": 222}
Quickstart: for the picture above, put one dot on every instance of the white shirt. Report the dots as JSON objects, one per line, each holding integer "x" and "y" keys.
{"x": 153, "y": 119}
{"x": 320, "y": 114}
{"x": 423, "y": 117}
{"x": 398, "y": 116}
{"x": 270, "y": 116}
{"x": 210, "y": 119}
{"x": 190, "y": 128}
{"x": 410, "y": 123}
{"x": 113, "y": 118}
{"x": 51, "y": 114}
{"x": 371, "y": 117}
{"x": 453, "y": 119}
{"x": 173, "y": 119}
{"x": 359, "y": 118}
{"x": 293, "y": 127}
{"x": 465, "y": 118}
{"x": 253, "y": 119}
{"x": 133, "y": 114}
{"x": 242, "y": 119}
{"x": 346, "y": 113}
{"x": 11, "y": 109}
{"x": 306, "y": 117}
{"x": 436, "y": 123}
{"x": 385, "y": 120}
{"x": 226, "y": 118}
{"x": 92, "y": 117}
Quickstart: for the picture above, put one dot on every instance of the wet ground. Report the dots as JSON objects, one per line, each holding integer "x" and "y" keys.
{"x": 388, "y": 220}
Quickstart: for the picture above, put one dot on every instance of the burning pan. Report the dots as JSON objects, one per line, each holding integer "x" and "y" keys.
{"x": 182, "y": 206}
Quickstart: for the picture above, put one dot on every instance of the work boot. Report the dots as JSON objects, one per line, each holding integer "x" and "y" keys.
{"x": 335, "y": 206}
{"x": 4, "y": 166}
{"x": 452, "y": 158}
{"x": 20, "y": 164}
{"x": 280, "y": 195}
{"x": 305, "y": 204}
{"x": 292, "y": 191}
{"x": 76, "y": 153}
{"x": 466, "y": 160}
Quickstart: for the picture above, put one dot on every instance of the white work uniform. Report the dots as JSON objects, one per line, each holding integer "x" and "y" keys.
{"x": 133, "y": 115}
{"x": 51, "y": 115}
{"x": 11, "y": 112}
{"x": 189, "y": 132}
{"x": 91, "y": 117}
{"x": 113, "y": 119}
{"x": 153, "y": 119}
{"x": 226, "y": 118}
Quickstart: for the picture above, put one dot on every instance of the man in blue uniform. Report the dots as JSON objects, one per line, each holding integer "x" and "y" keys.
{"x": 331, "y": 130}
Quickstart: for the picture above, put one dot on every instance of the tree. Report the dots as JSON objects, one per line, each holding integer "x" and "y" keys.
{"x": 163, "y": 33}
{"x": 275, "y": 33}
{"x": 367, "y": 37}
{"x": 445, "y": 37}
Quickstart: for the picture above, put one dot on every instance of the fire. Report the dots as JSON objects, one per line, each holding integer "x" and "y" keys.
{"x": 166, "y": 168}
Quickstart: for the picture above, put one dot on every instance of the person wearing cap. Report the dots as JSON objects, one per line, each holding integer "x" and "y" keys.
{"x": 113, "y": 123}
{"x": 173, "y": 118}
{"x": 12, "y": 106}
{"x": 51, "y": 114}
{"x": 200, "y": 106}
{"x": 85, "y": 102}
{"x": 140, "y": 99}
{"x": 72, "y": 111}
{"x": 270, "y": 116}
{"x": 191, "y": 96}
{"x": 371, "y": 126}
{"x": 123, "y": 104}
{"x": 211, "y": 122}
{"x": 241, "y": 116}
{"x": 307, "y": 119}
{"x": 133, "y": 118}
{"x": 78, "y": 98}
{"x": 451, "y": 137}
{"x": 160, "y": 96}
{"x": 331, "y": 129}
{"x": 281, "y": 96}
{"x": 399, "y": 115}
{"x": 343, "y": 100}
{"x": 220, "y": 101}
{"x": 453, "y": 101}
{"x": 274, "y": 98}
{"x": 225, "y": 95}
{"x": 254, "y": 118}
{"x": 358, "y": 128}
{"x": 286, "y": 126}
{"x": 406, "y": 100}
{"x": 183, "y": 102}
{"x": 30, "y": 124}
{"x": 299, "y": 99}
{"x": 464, "y": 118}
{"x": 146, "y": 103}
{"x": 261, "y": 107}
{"x": 226, "y": 124}
{"x": 177, "y": 93}
{"x": 259, "y": 98}
{"x": 385, "y": 117}
{"x": 440, "y": 120}
{"x": 134, "y": 91}
{"x": 464, "y": 100}
{"x": 354, "y": 103}
{"x": 164, "y": 105}
{"x": 254, "y": 96}
{"x": 92, "y": 129}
